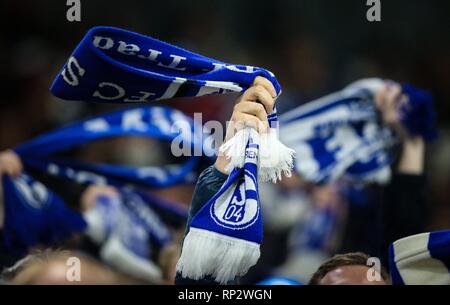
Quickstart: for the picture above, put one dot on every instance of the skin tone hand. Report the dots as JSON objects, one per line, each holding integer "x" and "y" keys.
{"x": 251, "y": 110}
{"x": 389, "y": 100}
{"x": 10, "y": 163}
{"x": 90, "y": 195}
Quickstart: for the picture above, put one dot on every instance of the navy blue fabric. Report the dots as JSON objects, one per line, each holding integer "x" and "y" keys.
{"x": 396, "y": 278}
{"x": 419, "y": 115}
{"x": 439, "y": 247}
{"x": 110, "y": 59}
{"x": 53, "y": 221}
{"x": 244, "y": 184}
{"x": 34, "y": 215}
{"x": 152, "y": 122}
{"x": 337, "y": 135}
{"x": 342, "y": 133}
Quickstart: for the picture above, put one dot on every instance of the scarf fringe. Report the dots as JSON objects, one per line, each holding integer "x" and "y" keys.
{"x": 274, "y": 158}
{"x": 220, "y": 256}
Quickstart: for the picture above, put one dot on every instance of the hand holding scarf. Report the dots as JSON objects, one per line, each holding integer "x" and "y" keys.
{"x": 342, "y": 133}
{"x": 224, "y": 237}
{"x": 34, "y": 214}
{"x": 114, "y": 65}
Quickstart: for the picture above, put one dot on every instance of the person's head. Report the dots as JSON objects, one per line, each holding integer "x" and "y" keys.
{"x": 57, "y": 267}
{"x": 349, "y": 269}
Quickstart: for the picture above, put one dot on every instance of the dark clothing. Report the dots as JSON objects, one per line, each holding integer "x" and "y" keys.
{"x": 403, "y": 209}
{"x": 208, "y": 184}
{"x": 395, "y": 211}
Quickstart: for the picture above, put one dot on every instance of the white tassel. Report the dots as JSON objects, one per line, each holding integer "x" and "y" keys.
{"x": 220, "y": 256}
{"x": 274, "y": 158}
{"x": 234, "y": 149}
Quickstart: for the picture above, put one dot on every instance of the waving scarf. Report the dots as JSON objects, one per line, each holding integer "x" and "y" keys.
{"x": 341, "y": 133}
{"x": 115, "y": 65}
{"x": 34, "y": 215}
{"x": 50, "y": 221}
{"x": 125, "y": 227}
{"x": 153, "y": 122}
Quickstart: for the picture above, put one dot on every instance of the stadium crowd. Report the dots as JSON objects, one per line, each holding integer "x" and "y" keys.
{"x": 316, "y": 233}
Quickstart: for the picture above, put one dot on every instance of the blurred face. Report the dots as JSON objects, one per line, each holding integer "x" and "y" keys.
{"x": 349, "y": 275}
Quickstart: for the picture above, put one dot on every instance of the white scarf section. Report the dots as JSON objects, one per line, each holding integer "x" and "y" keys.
{"x": 275, "y": 158}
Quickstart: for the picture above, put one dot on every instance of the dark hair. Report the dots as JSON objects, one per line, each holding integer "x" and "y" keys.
{"x": 348, "y": 259}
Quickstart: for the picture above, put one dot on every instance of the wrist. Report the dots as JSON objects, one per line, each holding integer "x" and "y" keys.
{"x": 221, "y": 164}
{"x": 413, "y": 155}
{"x": 416, "y": 143}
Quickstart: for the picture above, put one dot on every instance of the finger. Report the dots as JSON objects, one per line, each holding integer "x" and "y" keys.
{"x": 19, "y": 168}
{"x": 11, "y": 171}
{"x": 16, "y": 167}
{"x": 392, "y": 96}
{"x": 252, "y": 108}
{"x": 11, "y": 163}
{"x": 93, "y": 192}
{"x": 9, "y": 168}
{"x": 267, "y": 84}
{"x": 14, "y": 170}
{"x": 403, "y": 101}
{"x": 259, "y": 94}
{"x": 104, "y": 190}
{"x": 241, "y": 120}
{"x": 380, "y": 98}
{"x": 109, "y": 190}
{"x": 18, "y": 163}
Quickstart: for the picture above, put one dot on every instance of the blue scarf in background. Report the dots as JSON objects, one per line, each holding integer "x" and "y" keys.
{"x": 422, "y": 259}
{"x": 341, "y": 133}
{"x": 419, "y": 115}
{"x": 118, "y": 66}
{"x": 126, "y": 227}
{"x": 35, "y": 215}
{"x": 152, "y": 122}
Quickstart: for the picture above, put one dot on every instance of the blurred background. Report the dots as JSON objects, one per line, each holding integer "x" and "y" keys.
{"x": 313, "y": 47}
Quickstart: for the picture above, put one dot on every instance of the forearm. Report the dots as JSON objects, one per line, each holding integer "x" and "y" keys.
{"x": 208, "y": 184}
{"x": 221, "y": 164}
{"x": 403, "y": 201}
{"x": 412, "y": 158}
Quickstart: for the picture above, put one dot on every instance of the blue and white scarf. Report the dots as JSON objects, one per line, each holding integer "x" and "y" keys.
{"x": 341, "y": 133}
{"x": 35, "y": 215}
{"x": 115, "y": 65}
{"x": 126, "y": 227}
{"x": 118, "y": 66}
{"x": 152, "y": 122}
{"x": 422, "y": 259}
{"x": 225, "y": 235}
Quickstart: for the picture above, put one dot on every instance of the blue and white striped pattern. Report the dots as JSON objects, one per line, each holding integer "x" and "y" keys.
{"x": 34, "y": 215}
{"x": 151, "y": 122}
{"x": 224, "y": 236}
{"x": 422, "y": 259}
{"x": 339, "y": 134}
{"x": 40, "y": 154}
{"x": 117, "y": 66}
